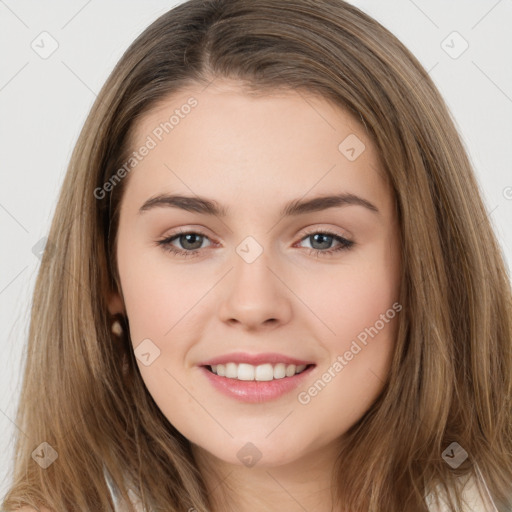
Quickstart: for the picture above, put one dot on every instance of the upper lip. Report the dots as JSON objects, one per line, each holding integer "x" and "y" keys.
{"x": 254, "y": 359}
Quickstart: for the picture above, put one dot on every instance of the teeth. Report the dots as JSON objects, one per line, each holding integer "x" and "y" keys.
{"x": 231, "y": 371}
{"x": 279, "y": 371}
{"x": 262, "y": 372}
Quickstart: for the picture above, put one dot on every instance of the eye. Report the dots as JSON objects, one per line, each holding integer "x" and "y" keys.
{"x": 325, "y": 238}
{"x": 192, "y": 242}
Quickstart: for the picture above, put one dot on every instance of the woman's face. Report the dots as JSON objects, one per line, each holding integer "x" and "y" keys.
{"x": 269, "y": 273}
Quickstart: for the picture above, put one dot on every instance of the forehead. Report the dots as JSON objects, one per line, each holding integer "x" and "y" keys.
{"x": 221, "y": 140}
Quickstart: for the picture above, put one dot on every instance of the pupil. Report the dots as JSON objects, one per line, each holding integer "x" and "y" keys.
{"x": 325, "y": 237}
{"x": 186, "y": 237}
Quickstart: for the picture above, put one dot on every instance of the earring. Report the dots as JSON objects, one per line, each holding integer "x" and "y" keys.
{"x": 119, "y": 325}
{"x": 117, "y": 328}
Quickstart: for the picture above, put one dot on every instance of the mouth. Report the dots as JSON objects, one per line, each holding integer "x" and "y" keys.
{"x": 256, "y": 384}
{"x": 250, "y": 388}
{"x": 259, "y": 373}
{"x": 256, "y": 378}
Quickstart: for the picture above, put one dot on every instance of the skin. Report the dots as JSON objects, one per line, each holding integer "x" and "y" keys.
{"x": 253, "y": 155}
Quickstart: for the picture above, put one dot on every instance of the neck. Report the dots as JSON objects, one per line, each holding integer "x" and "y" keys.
{"x": 298, "y": 485}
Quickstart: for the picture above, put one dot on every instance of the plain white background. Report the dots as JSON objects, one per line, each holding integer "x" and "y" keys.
{"x": 44, "y": 100}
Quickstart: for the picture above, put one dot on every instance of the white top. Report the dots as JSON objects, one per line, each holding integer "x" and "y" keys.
{"x": 475, "y": 496}
{"x": 118, "y": 506}
{"x": 475, "y": 501}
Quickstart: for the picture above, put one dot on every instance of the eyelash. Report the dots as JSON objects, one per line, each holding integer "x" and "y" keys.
{"x": 345, "y": 244}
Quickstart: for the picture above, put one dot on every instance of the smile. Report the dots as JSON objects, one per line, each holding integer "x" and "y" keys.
{"x": 256, "y": 385}
{"x": 262, "y": 372}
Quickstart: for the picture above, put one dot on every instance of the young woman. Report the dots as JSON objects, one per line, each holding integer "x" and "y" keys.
{"x": 273, "y": 284}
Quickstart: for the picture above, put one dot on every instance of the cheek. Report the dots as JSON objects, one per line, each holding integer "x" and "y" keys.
{"x": 157, "y": 293}
{"x": 362, "y": 313}
{"x": 149, "y": 303}
{"x": 359, "y": 311}
{"x": 352, "y": 299}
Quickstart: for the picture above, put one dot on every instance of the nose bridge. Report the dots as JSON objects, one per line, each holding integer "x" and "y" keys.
{"x": 252, "y": 264}
{"x": 252, "y": 277}
{"x": 254, "y": 294}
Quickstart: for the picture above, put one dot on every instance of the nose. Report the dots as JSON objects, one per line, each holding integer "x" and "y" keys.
{"x": 255, "y": 295}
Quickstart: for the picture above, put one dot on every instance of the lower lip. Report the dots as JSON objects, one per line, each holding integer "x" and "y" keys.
{"x": 256, "y": 391}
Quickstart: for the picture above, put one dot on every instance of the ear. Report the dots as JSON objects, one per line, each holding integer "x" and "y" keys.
{"x": 116, "y": 304}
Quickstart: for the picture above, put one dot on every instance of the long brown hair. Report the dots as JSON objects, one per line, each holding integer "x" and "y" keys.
{"x": 451, "y": 376}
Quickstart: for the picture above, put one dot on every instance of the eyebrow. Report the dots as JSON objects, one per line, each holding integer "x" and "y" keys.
{"x": 207, "y": 206}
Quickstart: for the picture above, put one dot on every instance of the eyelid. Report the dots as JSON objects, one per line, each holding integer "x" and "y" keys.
{"x": 308, "y": 230}
{"x": 186, "y": 230}
{"x": 318, "y": 228}
{"x": 189, "y": 230}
